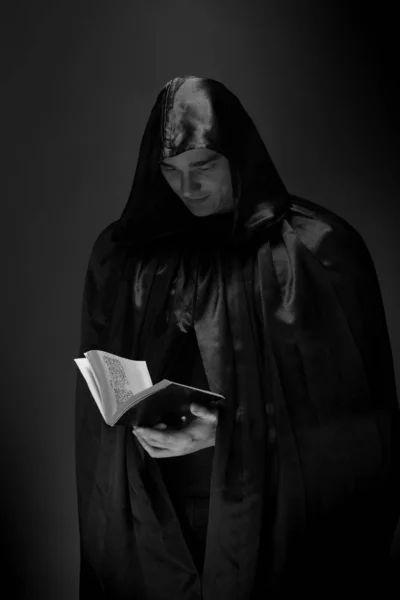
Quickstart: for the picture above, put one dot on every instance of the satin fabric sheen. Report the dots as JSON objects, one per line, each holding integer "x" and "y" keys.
{"x": 331, "y": 427}
{"x": 290, "y": 327}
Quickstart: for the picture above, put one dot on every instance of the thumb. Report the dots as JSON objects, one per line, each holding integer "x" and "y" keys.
{"x": 204, "y": 413}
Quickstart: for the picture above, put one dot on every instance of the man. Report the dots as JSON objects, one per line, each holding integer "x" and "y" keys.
{"x": 218, "y": 278}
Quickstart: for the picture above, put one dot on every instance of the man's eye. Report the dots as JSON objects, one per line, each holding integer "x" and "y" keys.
{"x": 202, "y": 168}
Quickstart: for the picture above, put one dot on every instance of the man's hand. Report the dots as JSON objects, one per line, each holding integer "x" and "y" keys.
{"x": 199, "y": 434}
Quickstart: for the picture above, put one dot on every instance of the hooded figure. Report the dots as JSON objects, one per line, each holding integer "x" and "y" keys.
{"x": 275, "y": 304}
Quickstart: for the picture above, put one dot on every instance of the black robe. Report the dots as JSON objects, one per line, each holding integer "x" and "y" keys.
{"x": 290, "y": 327}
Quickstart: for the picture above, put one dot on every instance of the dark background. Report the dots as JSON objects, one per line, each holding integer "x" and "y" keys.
{"x": 80, "y": 80}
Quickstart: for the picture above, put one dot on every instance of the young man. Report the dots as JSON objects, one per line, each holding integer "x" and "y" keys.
{"x": 217, "y": 277}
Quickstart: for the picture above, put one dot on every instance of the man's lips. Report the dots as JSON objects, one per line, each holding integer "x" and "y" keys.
{"x": 197, "y": 199}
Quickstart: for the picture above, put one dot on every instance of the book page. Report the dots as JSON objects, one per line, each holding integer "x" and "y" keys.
{"x": 120, "y": 381}
{"x": 90, "y": 377}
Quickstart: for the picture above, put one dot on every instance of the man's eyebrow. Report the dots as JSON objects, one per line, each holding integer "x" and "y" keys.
{"x": 204, "y": 162}
{"x": 197, "y": 163}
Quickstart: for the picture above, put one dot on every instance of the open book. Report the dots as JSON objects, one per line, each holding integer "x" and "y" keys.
{"x": 125, "y": 394}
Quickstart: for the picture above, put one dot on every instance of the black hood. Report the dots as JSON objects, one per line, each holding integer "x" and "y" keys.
{"x": 192, "y": 112}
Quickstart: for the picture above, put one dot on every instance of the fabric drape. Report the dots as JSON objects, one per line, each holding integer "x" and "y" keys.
{"x": 290, "y": 326}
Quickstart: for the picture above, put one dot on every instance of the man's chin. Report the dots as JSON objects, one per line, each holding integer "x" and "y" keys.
{"x": 201, "y": 211}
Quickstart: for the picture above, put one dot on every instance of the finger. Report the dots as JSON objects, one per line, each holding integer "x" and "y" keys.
{"x": 207, "y": 414}
{"x": 158, "y": 426}
{"x": 154, "y": 445}
{"x": 152, "y": 451}
{"x": 158, "y": 438}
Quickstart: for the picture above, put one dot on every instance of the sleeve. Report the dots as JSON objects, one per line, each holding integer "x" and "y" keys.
{"x": 359, "y": 292}
{"x": 347, "y": 267}
{"x": 346, "y": 260}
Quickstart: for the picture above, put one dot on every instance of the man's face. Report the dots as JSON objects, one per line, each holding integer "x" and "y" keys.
{"x": 202, "y": 180}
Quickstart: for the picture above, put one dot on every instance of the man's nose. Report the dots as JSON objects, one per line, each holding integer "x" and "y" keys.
{"x": 188, "y": 185}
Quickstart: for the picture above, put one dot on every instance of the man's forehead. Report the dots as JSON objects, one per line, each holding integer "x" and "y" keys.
{"x": 192, "y": 157}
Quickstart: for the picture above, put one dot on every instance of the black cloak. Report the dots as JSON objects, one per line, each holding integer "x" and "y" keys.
{"x": 285, "y": 304}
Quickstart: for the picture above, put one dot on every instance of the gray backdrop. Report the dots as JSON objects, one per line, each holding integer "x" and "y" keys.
{"x": 80, "y": 80}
